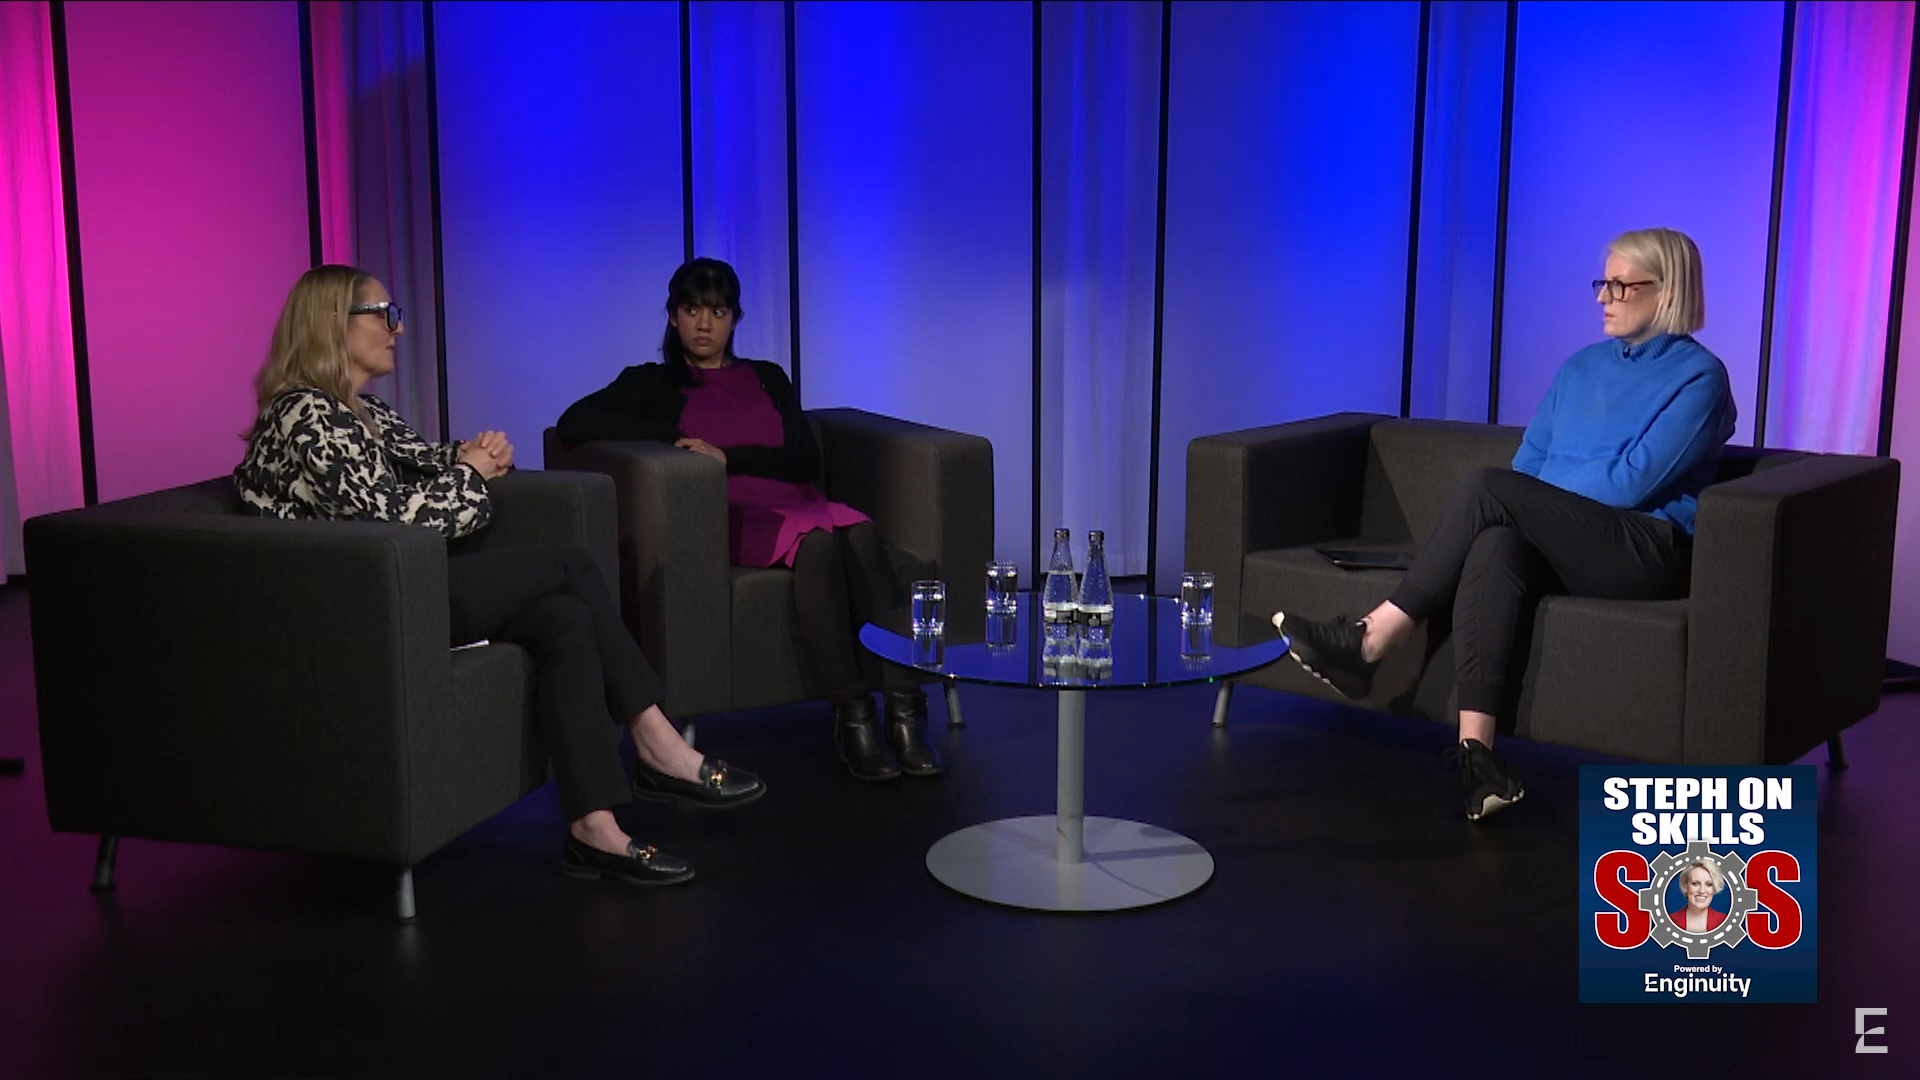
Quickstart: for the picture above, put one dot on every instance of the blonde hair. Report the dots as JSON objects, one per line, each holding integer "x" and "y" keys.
{"x": 1670, "y": 258}
{"x": 1713, "y": 871}
{"x": 309, "y": 344}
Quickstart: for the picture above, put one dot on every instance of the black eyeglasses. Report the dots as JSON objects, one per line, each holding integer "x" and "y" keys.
{"x": 387, "y": 307}
{"x": 1616, "y": 289}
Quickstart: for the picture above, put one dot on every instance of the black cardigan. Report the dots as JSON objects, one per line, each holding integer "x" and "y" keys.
{"x": 643, "y": 403}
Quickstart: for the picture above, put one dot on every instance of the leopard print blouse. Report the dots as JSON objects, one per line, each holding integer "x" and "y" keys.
{"x": 311, "y": 457}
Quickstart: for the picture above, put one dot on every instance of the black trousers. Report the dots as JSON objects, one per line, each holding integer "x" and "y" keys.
{"x": 591, "y": 676}
{"x": 841, "y": 582}
{"x": 1507, "y": 538}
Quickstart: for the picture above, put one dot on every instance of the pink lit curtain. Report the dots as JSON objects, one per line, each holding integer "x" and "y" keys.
{"x": 1846, "y": 129}
{"x": 39, "y": 423}
{"x": 370, "y": 110}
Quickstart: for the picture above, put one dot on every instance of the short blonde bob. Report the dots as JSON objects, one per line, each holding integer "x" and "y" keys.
{"x": 1669, "y": 257}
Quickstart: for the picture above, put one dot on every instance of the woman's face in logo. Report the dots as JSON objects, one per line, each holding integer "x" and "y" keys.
{"x": 1697, "y": 886}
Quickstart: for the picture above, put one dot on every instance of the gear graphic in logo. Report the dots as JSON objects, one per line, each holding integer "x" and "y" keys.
{"x": 1731, "y": 931}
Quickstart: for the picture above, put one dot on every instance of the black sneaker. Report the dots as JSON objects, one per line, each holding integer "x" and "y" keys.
{"x": 1330, "y": 651}
{"x": 1489, "y": 785}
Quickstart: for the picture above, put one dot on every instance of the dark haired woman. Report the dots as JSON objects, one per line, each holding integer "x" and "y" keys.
{"x": 744, "y": 415}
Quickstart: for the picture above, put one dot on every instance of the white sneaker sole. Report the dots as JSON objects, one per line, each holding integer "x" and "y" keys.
{"x": 1493, "y": 804}
{"x": 1279, "y": 623}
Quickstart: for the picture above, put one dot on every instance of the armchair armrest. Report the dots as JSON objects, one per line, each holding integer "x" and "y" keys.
{"x": 928, "y": 490}
{"x": 1787, "y": 624}
{"x": 538, "y": 507}
{"x": 673, "y": 580}
{"x": 1272, "y": 487}
{"x": 258, "y": 683}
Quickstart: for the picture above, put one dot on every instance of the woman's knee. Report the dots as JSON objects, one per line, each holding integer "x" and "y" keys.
{"x": 817, "y": 548}
{"x": 1492, "y": 479}
{"x": 555, "y": 621}
{"x": 1497, "y": 545}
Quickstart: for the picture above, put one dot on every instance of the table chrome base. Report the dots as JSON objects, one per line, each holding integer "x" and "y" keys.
{"x": 1126, "y": 864}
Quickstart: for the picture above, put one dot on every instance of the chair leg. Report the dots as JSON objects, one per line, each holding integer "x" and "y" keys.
{"x": 953, "y": 707}
{"x": 403, "y": 896}
{"x": 1220, "y": 701}
{"x": 686, "y": 732}
{"x": 1836, "y": 752}
{"x": 103, "y": 864}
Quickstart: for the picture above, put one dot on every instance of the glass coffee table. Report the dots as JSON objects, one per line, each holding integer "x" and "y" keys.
{"x": 1067, "y": 861}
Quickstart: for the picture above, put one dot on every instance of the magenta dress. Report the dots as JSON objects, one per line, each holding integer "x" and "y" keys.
{"x": 766, "y": 519}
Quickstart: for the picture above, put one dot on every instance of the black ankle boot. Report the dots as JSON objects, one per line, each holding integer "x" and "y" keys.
{"x": 856, "y": 732}
{"x": 907, "y": 733}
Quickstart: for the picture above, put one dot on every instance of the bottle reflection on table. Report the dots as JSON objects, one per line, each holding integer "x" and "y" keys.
{"x": 1077, "y": 659}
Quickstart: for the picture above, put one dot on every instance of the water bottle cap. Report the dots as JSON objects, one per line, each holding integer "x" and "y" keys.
{"x": 1063, "y": 534}
{"x": 1096, "y": 535}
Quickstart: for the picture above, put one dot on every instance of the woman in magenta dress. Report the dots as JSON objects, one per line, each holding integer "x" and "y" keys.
{"x": 744, "y": 415}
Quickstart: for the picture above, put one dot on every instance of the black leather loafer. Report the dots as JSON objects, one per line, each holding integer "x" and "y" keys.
{"x": 639, "y": 866}
{"x": 721, "y": 786}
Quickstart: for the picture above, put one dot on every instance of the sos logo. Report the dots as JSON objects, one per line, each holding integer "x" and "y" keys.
{"x": 1759, "y": 909}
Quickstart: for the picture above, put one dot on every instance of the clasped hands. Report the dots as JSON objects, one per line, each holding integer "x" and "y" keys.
{"x": 490, "y": 454}
{"x": 702, "y": 446}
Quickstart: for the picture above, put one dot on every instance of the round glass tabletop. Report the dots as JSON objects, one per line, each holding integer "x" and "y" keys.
{"x": 1147, "y": 647}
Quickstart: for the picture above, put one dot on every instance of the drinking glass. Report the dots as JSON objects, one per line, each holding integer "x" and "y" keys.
{"x": 929, "y": 607}
{"x": 1003, "y": 581}
{"x": 1196, "y": 598}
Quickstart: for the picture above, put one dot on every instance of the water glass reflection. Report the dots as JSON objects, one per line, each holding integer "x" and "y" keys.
{"x": 1003, "y": 581}
{"x": 929, "y": 607}
{"x": 929, "y": 650}
{"x": 1196, "y": 643}
{"x": 1196, "y": 598}
{"x": 1003, "y": 632}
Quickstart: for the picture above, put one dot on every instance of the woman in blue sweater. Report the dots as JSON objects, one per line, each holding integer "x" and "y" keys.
{"x": 1599, "y": 503}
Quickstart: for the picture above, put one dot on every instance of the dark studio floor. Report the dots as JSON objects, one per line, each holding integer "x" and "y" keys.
{"x": 1355, "y": 924}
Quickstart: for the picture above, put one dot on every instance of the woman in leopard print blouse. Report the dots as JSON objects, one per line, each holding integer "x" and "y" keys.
{"x": 321, "y": 449}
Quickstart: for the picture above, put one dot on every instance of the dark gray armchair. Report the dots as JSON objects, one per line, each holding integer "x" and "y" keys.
{"x": 1780, "y": 645}
{"x": 723, "y": 637}
{"x": 209, "y": 676}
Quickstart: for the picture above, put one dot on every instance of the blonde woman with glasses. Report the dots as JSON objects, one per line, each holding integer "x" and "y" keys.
{"x": 320, "y": 448}
{"x": 1599, "y": 502}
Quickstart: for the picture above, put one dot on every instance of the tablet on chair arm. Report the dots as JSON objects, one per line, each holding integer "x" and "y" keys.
{"x": 1348, "y": 559}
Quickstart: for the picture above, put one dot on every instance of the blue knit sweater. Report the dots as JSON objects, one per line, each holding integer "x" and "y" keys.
{"x": 1638, "y": 427}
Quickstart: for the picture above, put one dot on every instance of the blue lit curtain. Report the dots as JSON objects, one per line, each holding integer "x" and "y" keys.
{"x": 370, "y": 108}
{"x": 1459, "y": 190}
{"x": 914, "y": 125}
{"x": 1844, "y": 138}
{"x": 740, "y": 163}
{"x": 1710, "y": 124}
{"x": 1100, "y": 117}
